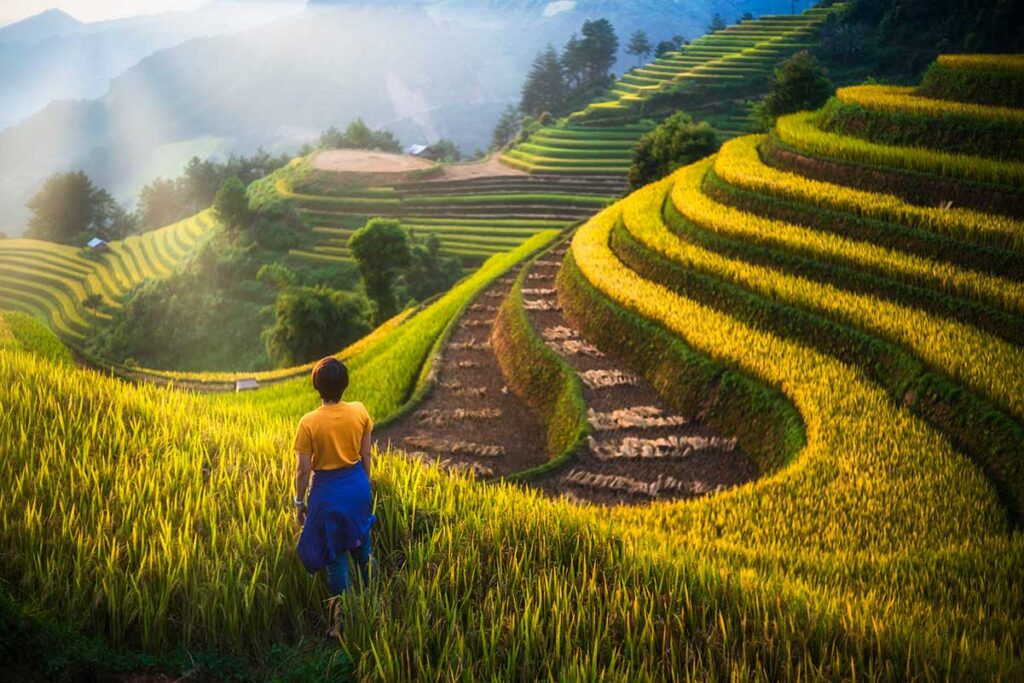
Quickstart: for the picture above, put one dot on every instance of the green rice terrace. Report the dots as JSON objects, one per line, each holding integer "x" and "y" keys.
{"x": 711, "y": 76}
{"x": 762, "y": 419}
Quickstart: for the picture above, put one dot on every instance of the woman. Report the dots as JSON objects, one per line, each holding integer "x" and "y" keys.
{"x": 333, "y": 443}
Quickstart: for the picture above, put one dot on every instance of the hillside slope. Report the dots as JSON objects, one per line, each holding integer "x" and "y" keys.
{"x": 429, "y": 71}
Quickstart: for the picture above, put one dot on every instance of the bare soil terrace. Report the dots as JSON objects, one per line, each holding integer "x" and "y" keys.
{"x": 364, "y": 161}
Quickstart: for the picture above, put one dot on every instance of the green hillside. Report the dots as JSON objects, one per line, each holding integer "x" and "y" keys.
{"x": 723, "y": 66}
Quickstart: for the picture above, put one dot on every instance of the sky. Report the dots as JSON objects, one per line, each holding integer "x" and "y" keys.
{"x": 91, "y": 10}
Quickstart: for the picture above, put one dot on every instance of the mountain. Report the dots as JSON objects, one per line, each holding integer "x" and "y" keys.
{"x": 58, "y": 59}
{"x": 52, "y": 22}
{"x": 425, "y": 70}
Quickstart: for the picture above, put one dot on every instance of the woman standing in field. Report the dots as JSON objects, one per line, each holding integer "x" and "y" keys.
{"x": 333, "y": 444}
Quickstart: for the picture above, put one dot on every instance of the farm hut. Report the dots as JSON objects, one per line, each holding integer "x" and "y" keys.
{"x": 96, "y": 244}
{"x": 417, "y": 150}
{"x": 246, "y": 385}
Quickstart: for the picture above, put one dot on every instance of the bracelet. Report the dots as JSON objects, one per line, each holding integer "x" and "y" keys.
{"x": 298, "y": 502}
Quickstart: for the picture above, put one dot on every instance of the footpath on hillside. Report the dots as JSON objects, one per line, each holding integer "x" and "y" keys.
{"x": 641, "y": 451}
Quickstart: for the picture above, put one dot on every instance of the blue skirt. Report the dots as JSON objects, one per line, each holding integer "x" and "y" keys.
{"x": 339, "y": 517}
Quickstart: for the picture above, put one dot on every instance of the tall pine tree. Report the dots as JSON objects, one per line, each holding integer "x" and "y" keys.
{"x": 545, "y": 88}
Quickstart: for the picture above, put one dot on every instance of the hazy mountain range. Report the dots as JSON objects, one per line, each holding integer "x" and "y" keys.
{"x": 132, "y": 99}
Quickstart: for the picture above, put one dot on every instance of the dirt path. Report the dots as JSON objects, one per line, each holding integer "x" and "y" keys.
{"x": 471, "y": 421}
{"x": 641, "y": 449}
{"x": 489, "y": 168}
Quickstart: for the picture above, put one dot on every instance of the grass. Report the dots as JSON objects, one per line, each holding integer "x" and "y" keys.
{"x": 881, "y": 541}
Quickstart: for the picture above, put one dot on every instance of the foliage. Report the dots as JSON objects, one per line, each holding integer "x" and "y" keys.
{"x": 70, "y": 209}
{"x": 360, "y": 136}
{"x": 277, "y": 275}
{"x": 314, "y": 322}
{"x": 960, "y": 25}
{"x": 640, "y": 46}
{"x": 231, "y": 205}
{"x": 165, "y": 201}
{"x": 390, "y": 367}
{"x": 800, "y": 83}
{"x": 444, "y": 151}
{"x": 664, "y": 47}
{"x": 195, "y": 319}
{"x": 675, "y": 143}
{"x": 545, "y": 89}
{"x": 430, "y": 272}
{"x": 597, "y": 52}
{"x": 507, "y": 129}
{"x": 717, "y": 23}
{"x": 381, "y": 251}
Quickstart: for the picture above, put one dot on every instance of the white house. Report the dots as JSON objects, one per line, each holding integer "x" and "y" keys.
{"x": 96, "y": 244}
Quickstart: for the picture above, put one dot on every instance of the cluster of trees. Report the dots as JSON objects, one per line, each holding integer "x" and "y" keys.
{"x": 799, "y": 83}
{"x": 557, "y": 81}
{"x": 396, "y": 268}
{"x": 909, "y": 33}
{"x": 166, "y": 201}
{"x": 360, "y": 136}
{"x": 71, "y": 209}
{"x": 641, "y": 46}
{"x": 677, "y": 142}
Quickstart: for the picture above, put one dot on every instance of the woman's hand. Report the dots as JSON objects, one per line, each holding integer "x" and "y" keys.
{"x": 300, "y": 514}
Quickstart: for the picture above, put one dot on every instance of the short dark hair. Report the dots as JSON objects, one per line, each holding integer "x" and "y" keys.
{"x": 330, "y": 379}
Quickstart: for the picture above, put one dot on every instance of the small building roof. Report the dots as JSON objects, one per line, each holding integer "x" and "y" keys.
{"x": 246, "y": 385}
{"x": 95, "y": 242}
{"x": 416, "y": 150}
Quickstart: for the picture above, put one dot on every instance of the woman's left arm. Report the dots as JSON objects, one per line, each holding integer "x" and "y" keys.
{"x": 366, "y": 450}
{"x": 303, "y": 467}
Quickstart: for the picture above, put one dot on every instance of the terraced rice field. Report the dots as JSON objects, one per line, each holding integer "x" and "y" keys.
{"x": 53, "y": 281}
{"x": 860, "y": 351}
{"x": 475, "y": 217}
{"x": 723, "y": 65}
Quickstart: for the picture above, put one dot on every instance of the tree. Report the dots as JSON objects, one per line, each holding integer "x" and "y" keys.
{"x": 545, "y": 89}
{"x": 444, "y": 150}
{"x": 231, "y": 206}
{"x": 70, "y": 209}
{"x": 430, "y": 272}
{"x": 747, "y": 16}
{"x": 277, "y": 275}
{"x": 202, "y": 180}
{"x": 508, "y": 128}
{"x": 358, "y": 135}
{"x": 800, "y": 83}
{"x": 161, "y": 203}
{"x": 639, "y": 46}
{"x": 574, "y": 62}
{"x": 717, "y": 23}
{"x": 600, "y": 45}
{"x": 664, "y": 47}
{"x": 381, "y": 251}
{"x": 313, "y": 322}
{"x": 675, "y": 143}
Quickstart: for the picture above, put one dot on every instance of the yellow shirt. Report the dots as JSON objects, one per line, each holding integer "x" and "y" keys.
{"x": 333, "y": 435}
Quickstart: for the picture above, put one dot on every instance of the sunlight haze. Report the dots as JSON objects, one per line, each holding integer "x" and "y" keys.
{"x": 91, "y": 10}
